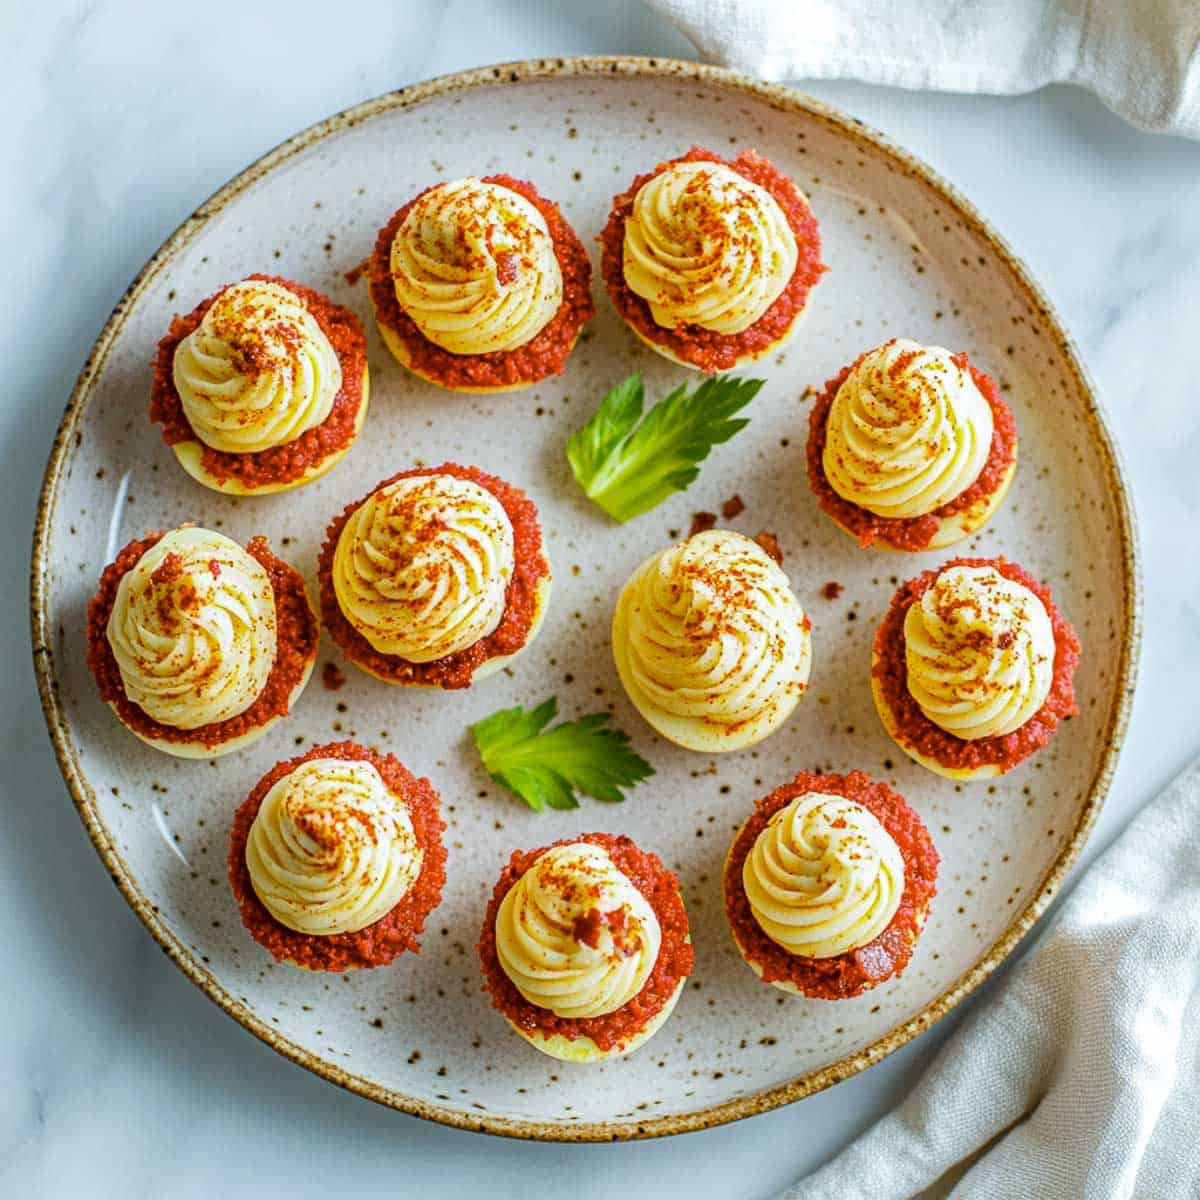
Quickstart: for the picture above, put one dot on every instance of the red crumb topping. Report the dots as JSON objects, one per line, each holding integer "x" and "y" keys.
{"x": 692, "y": 343}
{"x": 702, "y": 522}
{"x": 333, "y": 678}
{"x": 661, "y": 889}
{"x": 855, "y": 971}
{"x": 170, "y": 568}
{"x": 733, "y": 507}
{"x": 770, "y": 543}
{"x": 918, "y": 731}
{"x": 280, "y": 464}
{"x": 832, "y": 590}
{"x": 908, "y": 533}
{"x": 393, "y": 933}
{"x": 543, "y": 355}
{"x": 296, "y": 634}
{"x": 587, "y": 929}
{"x": 520, "y": 601}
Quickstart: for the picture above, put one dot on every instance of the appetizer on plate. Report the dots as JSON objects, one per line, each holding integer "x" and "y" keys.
{"x": 828, "y": 885}
{"x": 710, "y": 643}
{"x": 911, "y": 446}
{"x": 480, "y": 285}
{"x": 262, "y": 387}
{"x": 585, "y": 946}
{"x": 973, "y": 668}
{"x": 336, "y": 858}
{"x": 197, "y": 645}
{"x": 438, "y": 578}
{"x": 710, "y": 261}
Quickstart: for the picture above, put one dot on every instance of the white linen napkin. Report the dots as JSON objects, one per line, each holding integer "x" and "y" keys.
{"x": 1080, "y": 1075}
{"x": 1141, "y": 57}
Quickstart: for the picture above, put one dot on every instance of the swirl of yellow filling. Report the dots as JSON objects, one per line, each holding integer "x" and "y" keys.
{"x": 574, "y": 935}
{"x": 979, "y": 649}
{"x": 706, "y": 246}
{"x": 710, "y": 642}
{"x": 258, "y": 371}
{"x": 908, "y": 431}
{"x": 824, "y": 876}
{"x": 331, "y": 849}
{"x": 422, "y": 566}
{"x": 192, "y": 629}
{"x": 473, "y": 265}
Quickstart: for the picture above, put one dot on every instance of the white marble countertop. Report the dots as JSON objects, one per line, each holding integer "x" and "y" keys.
{"x": 120, "y": 1078}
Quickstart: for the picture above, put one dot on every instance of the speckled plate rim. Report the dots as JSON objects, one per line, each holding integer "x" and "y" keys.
{"x": 783, "y": 99}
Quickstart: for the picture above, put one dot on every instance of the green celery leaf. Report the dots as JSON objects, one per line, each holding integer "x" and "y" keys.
{"x": 546, "y": 767}
{"x": 593, "y": 447}
{"x": 628, "y": 468}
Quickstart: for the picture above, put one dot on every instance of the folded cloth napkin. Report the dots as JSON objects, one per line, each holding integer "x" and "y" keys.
{"x": 1079, "y": 1076}
{"x": 1141, "y": 57}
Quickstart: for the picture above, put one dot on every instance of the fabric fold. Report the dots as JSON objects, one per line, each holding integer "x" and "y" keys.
{"x": 1140, "y": 57}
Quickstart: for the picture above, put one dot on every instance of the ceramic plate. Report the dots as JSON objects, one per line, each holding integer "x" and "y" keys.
{"x": 908, "y": 257}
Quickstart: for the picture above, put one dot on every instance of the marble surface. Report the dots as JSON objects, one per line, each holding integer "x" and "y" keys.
{"x": 122, "y": 1079}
